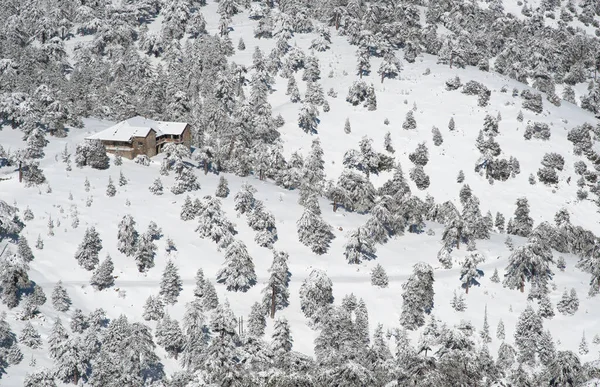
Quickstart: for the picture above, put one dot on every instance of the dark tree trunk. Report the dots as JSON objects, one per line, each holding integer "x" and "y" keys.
{"x": 20, "y": 172}
{"x": 273, "y": 301}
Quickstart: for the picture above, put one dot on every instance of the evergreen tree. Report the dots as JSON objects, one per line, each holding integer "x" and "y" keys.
{"x": 522, "y": 223}
{"x": 347, "y": 128}
{"x": 157, "y": 187}
{"x": 145, "y": 252}
{"x": 23, "y": 250}
{"x": 409, "y": 122}
{"x": 153, "y": 309}
{"x": 583, "y": 346}
{"x": 210, "y": 300}
{"x": 529, "y": 263}
{"x": 127, "y": 236}
{"x": 451, "y": 124}
{"x": 528, "y": 333}
{"x": 57, "y": 340}
{"x": 110, "y": 188}
{"x": 359, "y": 247}
{"x": 256, "y": 320}
{"x": 281, "y": 342}
{"x": 170, "y": 284}
{"x": 569, "y": 303}
{"x": 188, "y": 210}
{"x": 222, "y": 188}
{"x": 122, "y": 179}
{"x": 458, "y": 302}
{"x": 417, "y": 296}
{"x": 469, "y": 273}
{"x": 379, "y": 276}
{"x": 87, "y": 252}
{"x": 546, "y": 310}
{"x": 79, "y": 322}
{"x": 103, "y": 275}
{"x": 276, "y": 293}
{"x": 316, "y": 294}
{"x": 500, "y": 330}
{"x": 200, "y": 282}
{"x": 485, "y": 332}
{"x": 195, "y": 333}
{"x": 169, "y": 336}
{"x": 313, "y": 231}
{"x": 499, "y": 222}
{"x": 387, "y": 143}
{"x": 238, "y": 273}
{"x": 437, "y": 136}
{"x": 30, "y": 336}
{"x": 60, "y": 299}
{"x": 495, "y": 277}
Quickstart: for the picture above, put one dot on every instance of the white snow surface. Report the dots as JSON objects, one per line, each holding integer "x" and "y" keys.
{"x": 434, "y": 107}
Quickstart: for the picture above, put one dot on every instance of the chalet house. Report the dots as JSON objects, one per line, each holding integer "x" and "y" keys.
{"x": 142, "y": 136}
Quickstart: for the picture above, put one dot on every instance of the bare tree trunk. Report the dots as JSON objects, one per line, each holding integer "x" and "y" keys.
{"x": 467, "y": 289}
{"x": 20, "y": 172}
{"x": 451, "y": 58}
{"x": 382, "y": 77}
{"x": 335, "y": 206}
{"x": 273, "y": 301}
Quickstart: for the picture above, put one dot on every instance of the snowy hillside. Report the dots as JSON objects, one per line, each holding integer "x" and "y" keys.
{"x": 467, "y": 141}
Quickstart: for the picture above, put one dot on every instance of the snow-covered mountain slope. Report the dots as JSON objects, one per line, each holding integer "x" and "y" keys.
{"x": 421, "y": 85}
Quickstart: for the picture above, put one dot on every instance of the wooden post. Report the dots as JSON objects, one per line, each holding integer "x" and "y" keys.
{"x": 273, "y": 301}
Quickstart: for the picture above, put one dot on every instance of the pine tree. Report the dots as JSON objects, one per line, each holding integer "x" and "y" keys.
{"x": 281, "y": 342}
{"x": 387, "y": 142}
{"x": 469, "y": 273}
{"x": 86, "y": 185}
{"x": 87, "y": 252}
{"x": 170, "y": 284}
{"x": 257, "y": 321}
{"x": 169, "y": 336}
{"x": 500, "y": 330}
{"x": 276, "y": 293}
{"x": 409, "y": 122}
{"x": 110, "y": 188}
{"x": 56, "y": 340}
{"x": 39, "y": 243}
{"x": 458, "y": 302}
{"x": 241, "y": 45}
{"x": 222, "y": 188}
{"x": 522, "y": 223}
{"x": 30, "y": 336}
{"x": 153, "y": 309}
{"x": 200, "y": 282}
{"x": 347, "y": 128}
{"x": 451, "y": 124}
{"x": 127, "y": 236}
{"x": 495, "y": 277}
{"x": 103, "y": 275}
{"x": 145, "y": 252}
{"x": 529, "y": 263}
{"x": 210, "y": 300}
{"x": 23, "y": 250}
{"x": 122, "y": 179}
{"x": 313, "y": 231}
{"x": 583, "y": 346}
{"x": 238, "y": 273}
{"x": 359, "y": 247}
{"x": 546, "y": 310}
{"x": 79, "y": 322}
{"x": 528, "y": 333}
{"x": 50, "y": 226}
{"x": 485, "y": 332}
{"x": 437, "y": 136}
{"x": 316, "y": 293}
{"x": 569, "y": 303}
{"x": 417, "y": 296}
{"x": 379, "y": 276}
{"x": 60, "y": 299}
{"x": 157, "y": 187}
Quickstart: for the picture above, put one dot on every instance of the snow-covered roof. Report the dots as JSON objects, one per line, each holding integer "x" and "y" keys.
{"x": 138, "y": 126}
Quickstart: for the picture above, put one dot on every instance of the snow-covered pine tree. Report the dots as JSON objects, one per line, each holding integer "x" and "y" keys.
{"x": 458, "y": 302}
{"x": 103, "y": 275}
{"x": 79, "y": 322}
{"x": 529, "y": 263}
{"x": 485, "y": 332}
{"x": 153, "y": 309}
{"x": 545, "y": 309}
{"x": 110, "y": 188}
{"x": 23, "y": 250}
{"x": 316, "y": 293}
{"x": 451, "y": 124}
{"x": 127, "y": 236}
{"x": 469, "y": 273}
{"x": 157, "y": 187}
{"x": 210, "y": 300}
{"x": 30, "y": 337}
{"x": 188, "y": 210}
{"x": 222, "y": 188}
{"x": 461, "y": 177}
{"x": 169, "y": 336}
{"x": 437, "y": 136}
{"x": 276, "y": 293}
{"x": 522, "y": 224}
{"x": 144, "y": 253}
{"x": 387, "y": 142}
{"x": 569, "y": 303}
{"x": 500, "y": 330}
{"x": 359, "y": 246}
{"x": 39, "y": 243}
{"x": 313, "y": 231}
{"x": 238, "y": 273}
{"x": 122, "y": 179}
{"x": 244, "y": 199}
{"x": 409, "y": 121}
{"x": 60, "y": 299}
{"x": 87, "y": 252}
{"x": 281, "y": 342}
{"x": 417, "y": 296}
{"x": 170, "y": 284}
{"x": 347, "y": 127}
{"x": 495, "y": 277}
{"x": 379, "y": 277}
